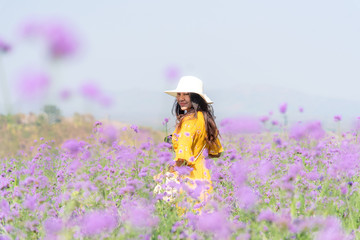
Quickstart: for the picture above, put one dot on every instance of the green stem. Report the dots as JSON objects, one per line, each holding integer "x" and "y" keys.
{"x": 339, "y": 129}
{"x": 350, "y": 214}
{"x": 3, "y": 228}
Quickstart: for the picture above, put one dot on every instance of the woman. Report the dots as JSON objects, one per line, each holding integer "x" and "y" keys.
{"x": 195, "y": 130}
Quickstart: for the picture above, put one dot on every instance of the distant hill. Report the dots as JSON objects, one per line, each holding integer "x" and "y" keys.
{"x": 260, "y": 101}
{"x": 149, "y": 108}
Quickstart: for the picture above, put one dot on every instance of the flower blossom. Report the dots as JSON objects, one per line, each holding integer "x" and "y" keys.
{"x": 283, "y": 108}
{"x": 172, "y": 73}
{"x": 60, "y": 39}
{"x": 337, "y": 118}
{"x": 4, "y": 46}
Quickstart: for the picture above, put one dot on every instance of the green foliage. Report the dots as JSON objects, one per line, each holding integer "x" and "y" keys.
{"x": 53, "y": 113}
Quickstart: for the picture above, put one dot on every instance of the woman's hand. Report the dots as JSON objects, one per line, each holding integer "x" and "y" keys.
{"x": 178, "y": 163}
{"x": 181, "y": 162}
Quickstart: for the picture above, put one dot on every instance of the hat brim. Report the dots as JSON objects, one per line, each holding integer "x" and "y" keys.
{"x": 174, "y": 93}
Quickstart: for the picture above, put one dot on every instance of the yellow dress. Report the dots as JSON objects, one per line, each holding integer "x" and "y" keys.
{"x": 188, "y": 143}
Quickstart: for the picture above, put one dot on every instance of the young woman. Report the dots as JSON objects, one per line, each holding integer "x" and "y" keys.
{"x": 195, "y": 130}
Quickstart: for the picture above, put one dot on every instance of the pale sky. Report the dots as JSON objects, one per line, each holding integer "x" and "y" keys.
{"x": 310, "y": 47}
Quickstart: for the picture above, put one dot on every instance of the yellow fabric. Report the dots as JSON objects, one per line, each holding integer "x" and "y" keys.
{"x": 188, "y": 143}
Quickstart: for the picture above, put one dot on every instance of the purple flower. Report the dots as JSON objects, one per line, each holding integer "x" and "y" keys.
{"x": 65, "y": 94}
{"x": 5, "y": 208}
{"x": 283, "y": 220}
{"x": 197, "y": 192}
{"x": 274, "y": 123}
{"x": 266, "y": 215}
{"x": 240, "y": 125}
{"x": 72, "y": 146}
{"x": 52, "y": 226}
{"x": 293, "y": 171}
{"x": 301, "y": 109}
{"x": 264, "y": 170}
{"x": 60, "y": 39}
{"x": 184, "y": 170}
{"x": 215, "y": 223}
{"x": 97, "y": 123}
{"x": 143, "y": 172}
{"x": 283, "y": 108}
{"x": 62, "y": 42}
{"x": 135, "y": 128}
{"x": 311, "y": 130}
{"x": 90, "y": 90}
{"x": 4, "y": 182}
{"x": 31, "y": 29}
{"x": 98, "y": 222}
{"x": 33, "y": 84}
{"x": 331, "y": 230}
{"x": 264, "y": 119}
{"x": 110, "y": 133}
{"x": 337, "y": 118}
{"x": 172, "y": 73}
{"x": 177, "y": 225}
{"x": 246, "y": 198}
{"x": 313, "y": 175}
{"x": 4, "y": 237}
{"x": 344, "y": 189}
{"x": 344, "y": 161}
{"x": 4, "y": 46}
{"x": 30, "y": 202}
{"x": 166, "y": 120}
{"x": 141, "y": 216}
{"x": 356, "y": 124}
{"x": 105, "y": 101}
{"x": 278, "y": 141}
{"x": 74, "y": 166}
{"x": 239, "y": 173}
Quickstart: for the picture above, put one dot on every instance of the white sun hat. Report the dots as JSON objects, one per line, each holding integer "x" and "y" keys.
{"x": 190, "y": 84}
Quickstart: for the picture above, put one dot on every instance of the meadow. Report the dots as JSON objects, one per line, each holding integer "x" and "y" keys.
{"x": 87, "y": 179}
{"x": 298, "y": 183}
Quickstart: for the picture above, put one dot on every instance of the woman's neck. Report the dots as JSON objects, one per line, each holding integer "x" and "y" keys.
{"x": 192, "y": 110}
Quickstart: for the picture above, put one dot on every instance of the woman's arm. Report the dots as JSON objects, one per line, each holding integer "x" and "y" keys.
{"x": 178, "y": 163}
{"x": 215, "y": 156}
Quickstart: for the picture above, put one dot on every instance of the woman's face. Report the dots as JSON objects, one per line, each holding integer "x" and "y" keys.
{"x": 183, "y": 99}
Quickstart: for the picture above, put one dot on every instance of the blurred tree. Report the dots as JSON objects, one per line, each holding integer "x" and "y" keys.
{"x": 53, "y": 113}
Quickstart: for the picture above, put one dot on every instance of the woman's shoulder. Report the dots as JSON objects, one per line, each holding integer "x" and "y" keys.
{"x": 200, "y": 114}
{"x": 198, "y": 118}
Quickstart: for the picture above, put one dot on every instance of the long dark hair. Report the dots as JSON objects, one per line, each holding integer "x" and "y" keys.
{"x": 198, "y": 104}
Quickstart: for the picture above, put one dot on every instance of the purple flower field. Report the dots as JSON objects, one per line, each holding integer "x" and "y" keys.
{"x": 301, "y": 184}
{"x": 275, "y": 180}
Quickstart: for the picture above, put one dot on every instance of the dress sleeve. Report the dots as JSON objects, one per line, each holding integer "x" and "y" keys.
{"x": 216, "y": 148}
{"x": 183, "y": 141}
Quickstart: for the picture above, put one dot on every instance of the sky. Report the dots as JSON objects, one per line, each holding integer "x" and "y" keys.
{"x": 251, "y": 55}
